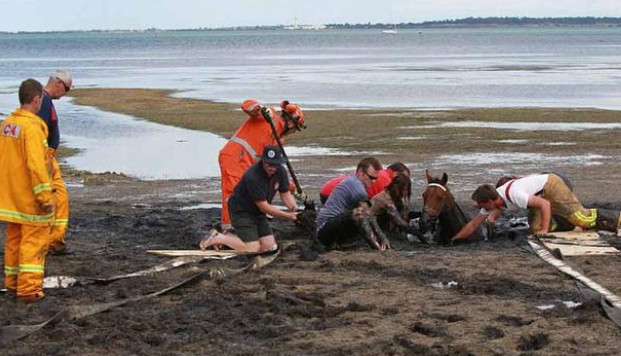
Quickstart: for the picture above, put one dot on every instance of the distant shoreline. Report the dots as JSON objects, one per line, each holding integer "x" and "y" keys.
{"x": 470, "y": 22}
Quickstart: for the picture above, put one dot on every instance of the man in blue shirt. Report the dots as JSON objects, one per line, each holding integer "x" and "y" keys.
{"x": 58, "y": 85}
{"x": 345, "y": 215}
{"x": 251, "y": 202}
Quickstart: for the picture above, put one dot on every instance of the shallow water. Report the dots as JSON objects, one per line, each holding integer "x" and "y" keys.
{"x": 441, "y": 68}
{"x": 522, "y": 126}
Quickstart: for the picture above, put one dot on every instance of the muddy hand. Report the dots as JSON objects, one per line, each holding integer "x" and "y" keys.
{"x": 385, "y": 245}
{"x": 541, "y": 233}
{"x": 48, "y": 208}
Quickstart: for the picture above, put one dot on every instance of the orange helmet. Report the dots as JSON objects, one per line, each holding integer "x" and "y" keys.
{"x": 294, "y": 113}
{"x": 251, "y": 107}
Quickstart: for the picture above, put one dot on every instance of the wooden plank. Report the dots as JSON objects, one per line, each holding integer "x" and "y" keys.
{"x": 209, "y": 254}
{"x": 576, "y": 235}
{"x": 578, "y": 250}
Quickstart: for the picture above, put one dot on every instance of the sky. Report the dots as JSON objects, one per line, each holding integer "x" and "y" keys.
{"x": 61, "y": 15}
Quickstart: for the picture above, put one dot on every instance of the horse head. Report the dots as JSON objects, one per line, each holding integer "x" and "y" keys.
{"x": 437, "y": 199}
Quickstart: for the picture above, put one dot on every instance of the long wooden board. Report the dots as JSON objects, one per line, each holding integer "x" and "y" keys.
{"x": 563, "y": 267}
{"x": 579, "y": 243}
{"x": 207, "y": 254}
{"x": 579, "y": 250}
{"x": 576, "y": 235}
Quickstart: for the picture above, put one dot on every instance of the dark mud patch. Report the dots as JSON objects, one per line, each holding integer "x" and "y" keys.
{"x": 449, "y": 318}
{"x": 533, "y": 342}
{"x": 509, "y": 320}
{"x": 428, "y": 329}
{"x": 506, "y": 287}
{"x": 493, "y": 333}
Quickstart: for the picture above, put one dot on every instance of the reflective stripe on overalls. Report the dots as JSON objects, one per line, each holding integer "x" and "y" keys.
{"x": 245, "y": 145}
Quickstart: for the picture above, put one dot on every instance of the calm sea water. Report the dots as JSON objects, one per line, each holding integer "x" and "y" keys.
{"x": 444, "y": 68}
{"x": 421, "y": 69}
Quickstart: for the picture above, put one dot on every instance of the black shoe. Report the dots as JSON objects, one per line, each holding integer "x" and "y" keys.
{"x": 60, "y": 251}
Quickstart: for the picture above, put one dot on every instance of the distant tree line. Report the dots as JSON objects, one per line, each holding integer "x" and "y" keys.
{"x": 492, "y": 21}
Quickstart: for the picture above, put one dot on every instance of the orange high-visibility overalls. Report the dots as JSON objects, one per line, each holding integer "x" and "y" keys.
{"x": 26, "y": 188}
{"x": 240, "y": 153}
{"x": 61, "y": 200}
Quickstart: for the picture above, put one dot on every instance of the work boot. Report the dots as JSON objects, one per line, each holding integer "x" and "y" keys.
{"x": 607, "y": 220}
{"x": 61, "y": 250}
{"x": 28, "y": 299}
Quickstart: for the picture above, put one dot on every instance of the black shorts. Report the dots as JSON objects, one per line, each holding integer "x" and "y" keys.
{"x": 338, "y": 230}
{"x": 250, "y": 226}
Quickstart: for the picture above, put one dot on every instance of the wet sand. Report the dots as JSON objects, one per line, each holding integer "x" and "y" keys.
{"x": 356, "y": 301}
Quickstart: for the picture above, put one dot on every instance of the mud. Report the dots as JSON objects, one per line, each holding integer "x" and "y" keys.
{"x": 470, "y": 299}
{"x": 309, "y": 301}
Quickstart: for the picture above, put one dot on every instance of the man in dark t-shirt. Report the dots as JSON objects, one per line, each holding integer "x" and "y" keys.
{"x": 251, "y": 202}
{"x": 58, "y": 85}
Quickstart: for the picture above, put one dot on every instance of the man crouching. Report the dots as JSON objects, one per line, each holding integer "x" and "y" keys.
{"x": 250, "y": 204}
{"x": 346, "y": 215}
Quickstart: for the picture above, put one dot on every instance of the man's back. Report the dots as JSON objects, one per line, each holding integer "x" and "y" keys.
{"x": 345, "y": 196}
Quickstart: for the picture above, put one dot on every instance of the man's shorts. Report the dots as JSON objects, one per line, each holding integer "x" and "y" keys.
{"x": 339, "y": 229}
{"x": 248, "y": 226}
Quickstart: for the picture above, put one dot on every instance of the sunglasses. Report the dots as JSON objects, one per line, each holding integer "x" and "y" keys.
{"x": 67, "y": 88}
{"x": 370, "y": 176}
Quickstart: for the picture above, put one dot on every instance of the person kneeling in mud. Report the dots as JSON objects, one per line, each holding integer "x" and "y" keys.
{"x": 391, "y": 206}
{"x": 544, "y": 195}
{"x": 250, "y": 204}
{"x": 346, "y": 214}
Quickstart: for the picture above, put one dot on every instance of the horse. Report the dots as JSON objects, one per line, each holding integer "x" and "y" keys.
{"x": 440, "y": 209}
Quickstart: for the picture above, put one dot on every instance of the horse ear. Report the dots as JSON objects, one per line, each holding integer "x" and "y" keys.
{"x": 444, "y": 178}
{"x": 428, "y": 176}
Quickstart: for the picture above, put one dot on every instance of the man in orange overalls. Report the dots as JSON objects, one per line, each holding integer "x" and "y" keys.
{"x": 26, "y": 201}
{"x": 248, "y": 143}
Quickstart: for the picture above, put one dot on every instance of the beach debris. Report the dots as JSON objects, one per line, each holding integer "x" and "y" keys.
{"x": 444, "y": 285}
{"x": 75, "y": 312}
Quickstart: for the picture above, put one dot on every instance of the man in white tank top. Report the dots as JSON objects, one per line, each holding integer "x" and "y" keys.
{"x": 543, "y": 195}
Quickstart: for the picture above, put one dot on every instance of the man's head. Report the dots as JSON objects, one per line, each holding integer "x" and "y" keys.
{"x": 252, "y": 108}
{"x": 367, "y": 170}
{"x": 30, "y": 93}
{"x": 293, "y": 116}
{"x": 271, "y": 158}
{"x": 486, "y": 196}
{"x": 59, "y": 83}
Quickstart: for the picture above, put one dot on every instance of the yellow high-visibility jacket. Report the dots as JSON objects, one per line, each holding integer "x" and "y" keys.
{"x": 25, "y": 183}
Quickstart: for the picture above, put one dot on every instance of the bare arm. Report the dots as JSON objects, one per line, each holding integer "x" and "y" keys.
{"x": 269, "y": 209}
{"x": 470, "y": 227}
{"x": 535, "y": 202}
{"x": 493, "y": 216}
{"x": 288, "y": 200}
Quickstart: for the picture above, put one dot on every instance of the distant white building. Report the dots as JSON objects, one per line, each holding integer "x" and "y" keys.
{"x": 296, "y": 26}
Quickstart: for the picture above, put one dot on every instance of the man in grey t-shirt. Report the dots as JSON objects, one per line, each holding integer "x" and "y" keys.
{"x": 342, "y": 217}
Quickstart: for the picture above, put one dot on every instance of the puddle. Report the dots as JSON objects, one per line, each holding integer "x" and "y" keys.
{"x": 567, "y": 303}
{"x": 111, "y": 142}
{"x": 523, "y": 126}
{"x": 412, "y": 138}
{"x": 515, "y": 158}
{"x": 512, "y": 141}
{"x": 202, "y": 206}
{"x": 560, "y": 143}
{"x": 444, "y": 285}
{"x": 218, "y": 206}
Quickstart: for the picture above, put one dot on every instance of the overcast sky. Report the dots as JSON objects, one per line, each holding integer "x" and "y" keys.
{"x": 52, "y": 15}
